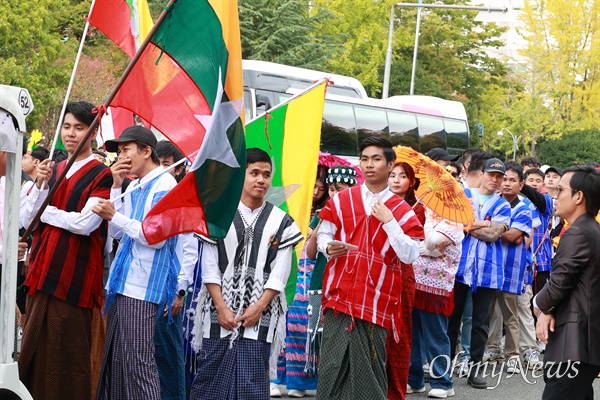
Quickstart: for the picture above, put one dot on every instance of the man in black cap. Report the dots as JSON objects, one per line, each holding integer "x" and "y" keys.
{"x": 481, "y": 267}
{"x": 143, "y": 278}
{"x": 441, "y": 156}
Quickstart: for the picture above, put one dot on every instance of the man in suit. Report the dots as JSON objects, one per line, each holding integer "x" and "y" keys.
{"x": 566, "y": 305}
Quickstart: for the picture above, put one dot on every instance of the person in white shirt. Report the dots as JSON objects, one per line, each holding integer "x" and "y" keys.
{"x": 65, "y": 267}
{"x": 143, "y": 277}
{"x": 240, "y": 318}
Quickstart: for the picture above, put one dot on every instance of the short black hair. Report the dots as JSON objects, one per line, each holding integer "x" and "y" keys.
{"x": 382, "y": 143}
{"x": 531, "y": 161}
{"x": 468, "y": 153}
{"x": 587, "y": 180}
{"x": 82, "y": 111}
{"x": 533, "y": 171}
{"x": 477, "y": 160}
{"x": 40, "y": 152}
{"x": 59, "y": 155}
{"x": 153, "y": 155}
{"x": 164, "y": 148}
{"x": 254, "y": 155}
{"x": 516, "y": 168}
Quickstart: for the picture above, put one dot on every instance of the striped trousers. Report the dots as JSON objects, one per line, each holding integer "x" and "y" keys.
{"x": 129, "y": 368}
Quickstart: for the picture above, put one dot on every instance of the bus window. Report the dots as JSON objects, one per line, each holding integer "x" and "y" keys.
{"x": 431, "y": 132}
{"x": 264, "y": 101}
{"x": 281, "y": 97}
{"x": 458, "y": 135}
{"x": 248, "y": 105}
{"x": 371, "y": 121}
{"x": 338, "y": 132}
{"x": 403, "y": 129}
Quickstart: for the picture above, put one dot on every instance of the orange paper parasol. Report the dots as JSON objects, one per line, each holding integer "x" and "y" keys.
{"x": 438, "y": 190}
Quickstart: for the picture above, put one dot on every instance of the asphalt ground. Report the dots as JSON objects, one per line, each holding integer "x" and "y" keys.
{"x": 526, "y": 386}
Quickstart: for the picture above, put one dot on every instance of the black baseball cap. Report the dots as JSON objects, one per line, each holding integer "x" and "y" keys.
{"x": 555, "y": 169}
{"x": 438, "y": 153}
{"x": 494, "y": 165}
{"x": 135, "y": 133}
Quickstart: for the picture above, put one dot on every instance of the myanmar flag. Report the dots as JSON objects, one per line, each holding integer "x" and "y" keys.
{"x": 291, "y": 134}
{"x": 173, "y": 85}
{"x": 125, "y": 22}
{"x": 187, "y": 79}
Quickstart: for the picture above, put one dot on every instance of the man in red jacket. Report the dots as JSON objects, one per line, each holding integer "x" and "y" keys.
{"x": 371, "y": 235}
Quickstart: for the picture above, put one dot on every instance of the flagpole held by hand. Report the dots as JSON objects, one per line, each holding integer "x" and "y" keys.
{"x": 141, "y": 185}
{"x": 96, "y": 122}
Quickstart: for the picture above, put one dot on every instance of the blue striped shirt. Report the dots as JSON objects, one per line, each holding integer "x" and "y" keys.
{"x": 536, "y": 222}
{"x": 142, "y": 271}
{"x": 482, "y": 263}
{"x": 515, "y": 255}
{"x": 543, "y": 257}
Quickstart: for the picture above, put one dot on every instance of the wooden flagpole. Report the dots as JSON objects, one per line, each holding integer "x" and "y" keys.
{"x": 96, "y": 121}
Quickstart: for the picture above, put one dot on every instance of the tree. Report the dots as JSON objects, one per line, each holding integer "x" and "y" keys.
{"x": 451, "y": 62}
{"x": 562, "y": 62}
{"x": 31, "y": 42}
{"x": 573, "y": 148}
{"x": 283, "y": 31}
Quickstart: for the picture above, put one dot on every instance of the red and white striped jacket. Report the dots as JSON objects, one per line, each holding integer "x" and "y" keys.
{"x": 366, "y": 283}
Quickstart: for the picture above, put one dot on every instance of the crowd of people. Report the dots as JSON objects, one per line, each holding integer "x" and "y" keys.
{"x": 389, "y": 295}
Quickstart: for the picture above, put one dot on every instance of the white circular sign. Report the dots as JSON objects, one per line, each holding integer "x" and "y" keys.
{"x": 25, "y": 102}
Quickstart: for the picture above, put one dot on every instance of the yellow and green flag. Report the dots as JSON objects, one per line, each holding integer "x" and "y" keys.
{"x": 291, "y": 134}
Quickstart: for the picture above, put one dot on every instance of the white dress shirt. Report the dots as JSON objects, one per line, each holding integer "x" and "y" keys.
{"x": 60, "y": 218}
{"x": 405, "y": 247}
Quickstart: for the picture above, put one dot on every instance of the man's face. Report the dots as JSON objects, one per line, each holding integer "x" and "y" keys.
{"x": 443, "y": 163}
{"x": 511, "y": 185}
{"x": 551, "y": 180}
{"x": 529, "y": 166}
{"x": 166, "y": 162}
{"x": 490, "y": 181}
{"x": 258, "y": 180}
{"x": 374, "y": 166}
{"x": 137, "y": 158}
{"x": 72, "y": 132}
{"x": 565, "y": 200}
{"x": 535, "y": 181}
{"x": 29, "y": 164}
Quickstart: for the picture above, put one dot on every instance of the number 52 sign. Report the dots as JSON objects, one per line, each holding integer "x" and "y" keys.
{"x": 25, "y": 102}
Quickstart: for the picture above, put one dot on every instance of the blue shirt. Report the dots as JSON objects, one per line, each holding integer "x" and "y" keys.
{"x": 482, "y": 263}
{"x": 536, "y": 222}
{"x": 515, "y": 255}
{"x": 543, "y": 256}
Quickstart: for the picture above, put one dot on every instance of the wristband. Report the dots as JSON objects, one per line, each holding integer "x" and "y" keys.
{"x": 540, "y": 313}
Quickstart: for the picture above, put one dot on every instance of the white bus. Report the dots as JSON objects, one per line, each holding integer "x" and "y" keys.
{"x": 420, "y": 122}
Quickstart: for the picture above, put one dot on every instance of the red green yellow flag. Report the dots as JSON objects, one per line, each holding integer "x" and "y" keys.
{"x": 291, "y": 134}
{"x": 189, "y": 78}
{"x": 125, "y": 22}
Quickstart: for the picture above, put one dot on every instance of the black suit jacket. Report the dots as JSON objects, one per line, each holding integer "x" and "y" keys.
{"x": 572, "y": 295}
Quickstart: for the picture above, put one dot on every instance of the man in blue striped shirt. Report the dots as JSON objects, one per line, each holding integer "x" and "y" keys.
{"x": 515, "y": 256}
{"x": 541, "y": 246}
{"x": 481, "y": 265}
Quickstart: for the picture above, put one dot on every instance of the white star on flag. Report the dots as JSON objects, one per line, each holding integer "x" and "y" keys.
{"x": 216, "y": 145}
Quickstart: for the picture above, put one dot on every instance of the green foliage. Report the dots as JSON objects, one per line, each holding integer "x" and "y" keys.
{"x": 573, "y": 148}
{"x": 451, "y": 61}
{"x": 31, "y": 43}
{"x": 284, "y": 32}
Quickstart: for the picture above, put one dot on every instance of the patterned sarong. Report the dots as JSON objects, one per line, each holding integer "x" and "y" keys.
{"x": 129, "y": 368}
{"x": 239, "y": 372}
{"x": 352, "y": 361}
{"x": 55, "y": 356}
